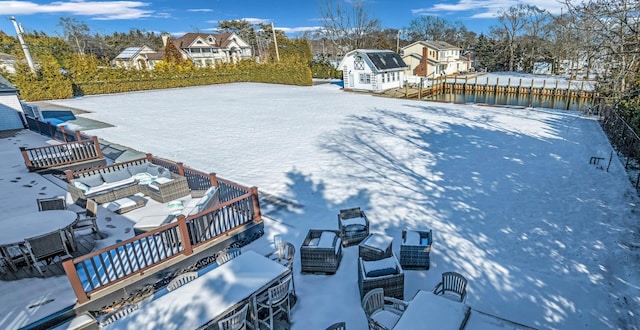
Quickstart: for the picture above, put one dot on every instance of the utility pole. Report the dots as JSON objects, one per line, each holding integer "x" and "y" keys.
{"x": 25, "y": 48}
{"x": 275, "y": 41}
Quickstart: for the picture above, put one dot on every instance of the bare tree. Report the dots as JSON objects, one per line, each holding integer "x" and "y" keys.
{"x": 511, "y": 22}
{"x": 76, "y": 33}
{"x": 349, "y": 28}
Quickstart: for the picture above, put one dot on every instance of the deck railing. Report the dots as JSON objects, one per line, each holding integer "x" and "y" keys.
{"x": 56, "y": 132}
{"x": 111, "y": 265}
{"x": 61, "y": 154}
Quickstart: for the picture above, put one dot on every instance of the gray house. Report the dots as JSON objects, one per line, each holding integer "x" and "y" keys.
{"x": 10, "y": 108}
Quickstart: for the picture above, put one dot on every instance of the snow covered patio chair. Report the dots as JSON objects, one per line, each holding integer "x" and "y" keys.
{"x": 353, "y": 225}
{"x": 452, "y": 286}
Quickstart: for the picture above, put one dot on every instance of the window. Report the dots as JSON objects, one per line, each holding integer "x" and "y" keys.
{"x": 358, "y": 63}
{"x": 365, "y": 78}
{"x": 382, "y": 78}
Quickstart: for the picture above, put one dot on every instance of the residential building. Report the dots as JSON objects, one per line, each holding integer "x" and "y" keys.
{"x": 135, "y": 58}
{"x": 434, "y": 58}
{"x": 10, "y": 108}
{"x": 207, "y": 49}
{"x": 372, "y": 70}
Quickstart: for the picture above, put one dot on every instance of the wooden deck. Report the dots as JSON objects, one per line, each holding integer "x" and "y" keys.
{"x": 85, "y": 245}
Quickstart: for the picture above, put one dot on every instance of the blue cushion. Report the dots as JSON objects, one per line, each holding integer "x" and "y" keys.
{"x": 424, "y": 241}
{"x": 164, "y": 173}
{"x": 354, "y": 228}
{"x": 93, "y": 180}
{"x": 381, "y": 272}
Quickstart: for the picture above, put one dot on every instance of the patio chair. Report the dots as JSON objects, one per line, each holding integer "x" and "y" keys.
{"x": 45, "y": 248}
{"x": 353, "y": 225}
{"x": 51, "y": 203}
{"x": 276, "y": 300}
{"x": 181, "y": 280}
{"x": 118, "y": 314}
{"x": 237, "y": 321}
{"x": 321, "y": 251}
{"x": 88, "y": 218}
{"x": 337, "y": 326}
{"x": 225, "y": 256}
{"x": 285, "y": 255}
{"x": 13, "y": 255}
{"x": 386, "y": 274}
{"x": 453, "y": 286}
{"x": 382, "y": 312}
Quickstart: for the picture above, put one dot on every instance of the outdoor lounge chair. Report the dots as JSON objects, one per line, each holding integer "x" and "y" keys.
{"x": 382, "y": 312}
{"x": 353, "y": 225}
{"x": 52, "y": 203}
{"x": 181, "y": 280}
{"x": 415, "y": 249}
{"x": 384, "y": 273}
{"x": 321, "y": 251}
{"x": 237, "y": 320}
{"x": 453, "y": 286}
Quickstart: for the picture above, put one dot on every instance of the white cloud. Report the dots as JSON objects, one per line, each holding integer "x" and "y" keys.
{"x": 253, "y": 20}
{"x": 200, "y": 10}
{"x": 484, "y": 8}
{"x": 299, "y": 29}
{"x": 99, "y": 10}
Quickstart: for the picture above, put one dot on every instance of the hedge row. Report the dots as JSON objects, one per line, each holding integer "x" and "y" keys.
{"x": 106, "y": 81}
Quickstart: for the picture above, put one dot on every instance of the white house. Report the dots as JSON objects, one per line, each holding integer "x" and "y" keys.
{"x": 207, "y": 49}
{"x": 135, "y": 58}
{"x": 434, "y": 58}
{"x": 10, "y": 108}
{"x": 372, "y": 70}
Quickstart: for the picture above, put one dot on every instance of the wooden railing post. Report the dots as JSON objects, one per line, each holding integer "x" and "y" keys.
{"x": 214, "y": 179}
{"x": 64, "y": 133}
{"x": 257, "y": 216}
{"x": 69, "y": 175}
{"x": 27, "y": 161}
{"x": 78, "y": 136}
{"x": 184, "y": 235}
{"x": 74, "y": 279}
{"x": 180, "y": 168}
{"x": 96, "y": 144}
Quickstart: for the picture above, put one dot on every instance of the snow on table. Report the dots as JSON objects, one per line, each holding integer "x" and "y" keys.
{"x": 429, "y": 311}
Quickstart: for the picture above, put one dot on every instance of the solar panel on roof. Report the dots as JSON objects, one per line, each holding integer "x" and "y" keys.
{"x": 129, "y": 52}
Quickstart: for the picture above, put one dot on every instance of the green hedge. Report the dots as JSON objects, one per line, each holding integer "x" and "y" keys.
{"x": 87, "y": 80}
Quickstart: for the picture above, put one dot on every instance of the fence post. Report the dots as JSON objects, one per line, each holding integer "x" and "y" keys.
{"x": 96, "y": 145}
{"x": 78, "y": 136}
{"x": 149, "y": 157}
{"x": 74, "y": 279}
{"x": 64, "y": 133}
{"x": 180, "y": 168}
{"x": 69, "y": 175}
{"x": 214, "y": 179}
{"x": 257, "y": 216}
{"x": 184, "y": 234}
{"x": 27, "y": 161}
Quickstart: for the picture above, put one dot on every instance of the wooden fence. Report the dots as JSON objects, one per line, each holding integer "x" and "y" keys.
{"x": 63, "y": 154}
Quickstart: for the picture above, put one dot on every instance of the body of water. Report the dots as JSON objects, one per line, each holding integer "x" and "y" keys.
{"x": 536, "y": 101}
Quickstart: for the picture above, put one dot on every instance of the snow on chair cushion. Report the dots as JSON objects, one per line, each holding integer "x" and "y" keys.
{"x": 354, "y": 224}
{"x": 326, "y": 239}
{"x": 115, "y": 176}
{"x": 137, "y": 169}
{"x": 93, "y": 180}
{"x": 382, "y": 267}
{"x": 412, "y": 238}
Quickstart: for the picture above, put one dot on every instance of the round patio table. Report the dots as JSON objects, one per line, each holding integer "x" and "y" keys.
{"x": 14, "y": 230}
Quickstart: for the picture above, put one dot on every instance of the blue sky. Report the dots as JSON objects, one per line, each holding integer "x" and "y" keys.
{"x": 178, "y": 17}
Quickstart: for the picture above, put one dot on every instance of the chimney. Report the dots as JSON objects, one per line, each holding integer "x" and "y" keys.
{"x": 165, "y": 39}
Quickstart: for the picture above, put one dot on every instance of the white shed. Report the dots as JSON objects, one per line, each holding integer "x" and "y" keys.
{"x": 10, "y": 108}
{"x": 372, "y": 70}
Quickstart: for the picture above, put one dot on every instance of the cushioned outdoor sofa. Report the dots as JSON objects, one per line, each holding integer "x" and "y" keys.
{"x": 109, "y": 183}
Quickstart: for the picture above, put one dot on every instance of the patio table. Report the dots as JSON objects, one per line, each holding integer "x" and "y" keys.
{"x": 17, "y": 228}
{"x": 429, "y": 311}
{"x": 209, "y": 297}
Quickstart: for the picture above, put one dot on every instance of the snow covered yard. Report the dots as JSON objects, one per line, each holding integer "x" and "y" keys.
{"x": 545, "y": 238}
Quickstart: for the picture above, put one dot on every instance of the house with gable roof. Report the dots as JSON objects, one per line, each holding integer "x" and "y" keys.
{"x": 372, "y": 70}
{"x": 10, "y": 107}
{"x": 207, "y": 49}
{"x": 135, "y": 58}
{"x": 434, "y": 58}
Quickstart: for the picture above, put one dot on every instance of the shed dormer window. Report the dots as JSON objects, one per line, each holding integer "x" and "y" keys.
{"x": 358, "y": 63}
{"x": 211, "y": 39}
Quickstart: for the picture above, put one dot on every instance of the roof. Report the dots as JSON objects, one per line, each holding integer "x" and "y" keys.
{"x": 381, "y": 59}
{"x": 437, "y": 45}
{"x": 6, "y": 86}
{"x": 131, "y": 52}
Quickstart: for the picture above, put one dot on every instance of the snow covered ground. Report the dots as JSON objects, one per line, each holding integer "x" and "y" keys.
{"x": 544, "y": 238}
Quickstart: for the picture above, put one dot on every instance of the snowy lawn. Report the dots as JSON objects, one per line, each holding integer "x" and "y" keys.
{"x": 544, "y": 238}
